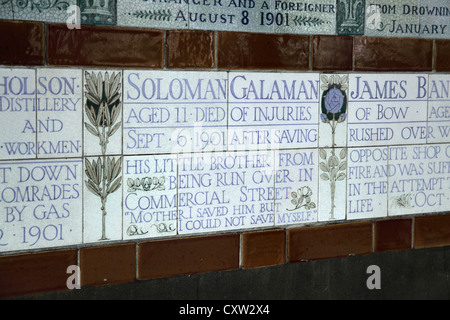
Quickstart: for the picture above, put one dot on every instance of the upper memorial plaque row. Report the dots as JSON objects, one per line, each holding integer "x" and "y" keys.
{"x": 46, "y": 112}
{"x": 390, "y": 18}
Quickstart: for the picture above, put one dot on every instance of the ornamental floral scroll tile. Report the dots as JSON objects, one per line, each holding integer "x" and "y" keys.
{"x": 6, "y": 10}
{"x": 42, "y": 10}
{"x": 149, "y": 196}
{"x": 333, "y": 110}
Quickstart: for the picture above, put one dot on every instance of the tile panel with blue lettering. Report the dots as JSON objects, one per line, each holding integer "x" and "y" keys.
{"x": 40, "y": 204}
{"x": 18, "y": 113}
{"x": 225, "y": 191}
{"x": 296, "y": 180}
{"x": 272, "y": 110}
{"x": 149, "y": 196}
{"x": 387, "y": 109}
{"x": 367, "y": 182}
{"x": 59, "y": 113}
{"x": 419, "y": 179}
{"x": 173, "y": 112}
{"x": 438, "y": 108}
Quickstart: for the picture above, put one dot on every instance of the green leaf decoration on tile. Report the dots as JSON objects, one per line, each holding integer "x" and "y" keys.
{"x": 402, "y": 201}
{"x": 146, "y": 184}
{"x": 40, "y": 5}
{"x": 161, "y": 227}
{"x": 333, "y": 168}
{"x": 102, "y": 110}
{"x": 160, "y": 15}
{"x": 302, "y": 198}
{"x": 308, "y": 21}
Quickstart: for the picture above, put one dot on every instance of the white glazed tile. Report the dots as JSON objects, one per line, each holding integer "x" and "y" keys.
{"x": 174, "y": 112}
{"x": 95, "y": 132}
{"x": 367, "y": 182}
{"x": 146, "y": 14}
{"x": 149, "y": 196}
{"x": 102, "y": 200}
{"x": 318, "y": 17}
{"x": 333, "y": 106}
{"x": 232, "y": 15}
{"x": 438, "y": 108}
{"x": 418, "y": 179}
{"x": 387, "y": 109}
{"x": 332, "y": 184}
{"x": 272, "y": 110}
{"x": 18, "y": 113}
{"x": 41, "y": 204}
{"x": 296, "y": 182}
{"x": 59, "y": 113}
{"x": 225, "y": 191}
{"x": 392, "y": 18}
{"x": 434, "y": 19}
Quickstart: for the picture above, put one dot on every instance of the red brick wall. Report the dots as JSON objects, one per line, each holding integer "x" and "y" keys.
{"x": 39, "y": 44}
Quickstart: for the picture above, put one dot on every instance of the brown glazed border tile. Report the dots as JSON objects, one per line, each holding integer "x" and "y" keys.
{"x": 392, "y": 54}
{"x": 190, "y": 49}
{"x": 393, "y": 234}
{"x": 108, "y": 264}
{"x": 32, "y": 273}
{"x": 97, "y": 46}
{"x": 166, "y": 258}
{"x": 442, "y": 55}
{"x": 432, "y": 231}
{"x": 263, "y": 248}
{"x": 22, "y": 43}
{"x": 329, "y": 241}
{"x": 332, "y": 53}
{"x": 238, "y": 50}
